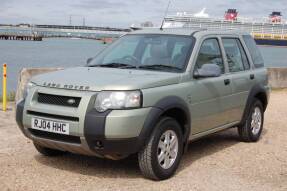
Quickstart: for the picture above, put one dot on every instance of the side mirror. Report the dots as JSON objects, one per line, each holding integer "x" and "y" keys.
{"x": 207, "y": 70}
{"x": 89, "y": 60}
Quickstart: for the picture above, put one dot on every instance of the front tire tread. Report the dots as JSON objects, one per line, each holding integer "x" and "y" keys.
{"x": 147, "y": 162}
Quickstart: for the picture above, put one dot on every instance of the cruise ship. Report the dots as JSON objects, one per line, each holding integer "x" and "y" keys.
{"x": 271, "y": 30}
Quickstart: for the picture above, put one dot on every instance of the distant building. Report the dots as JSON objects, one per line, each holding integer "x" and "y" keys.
{"x": 147, "y": 24}
{"x": 23, "y": 25}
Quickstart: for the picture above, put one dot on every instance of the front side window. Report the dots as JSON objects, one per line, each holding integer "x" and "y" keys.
{"x": 148, "y": 52}
{"x": 233, "y": 53}
{"x": 210, "y": 53}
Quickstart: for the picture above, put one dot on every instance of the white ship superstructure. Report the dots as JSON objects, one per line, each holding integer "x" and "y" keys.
{"x": 270, "y": 28}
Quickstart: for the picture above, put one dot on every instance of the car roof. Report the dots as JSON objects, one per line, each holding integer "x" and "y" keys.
{"x": 189, "y": 31}
{"x": 174, "y": 31}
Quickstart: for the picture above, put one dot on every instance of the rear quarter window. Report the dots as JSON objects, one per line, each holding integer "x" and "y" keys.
{"x": 254, "y": 51}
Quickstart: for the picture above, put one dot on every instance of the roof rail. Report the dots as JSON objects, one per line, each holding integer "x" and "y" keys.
{"x": 198, "y": 30}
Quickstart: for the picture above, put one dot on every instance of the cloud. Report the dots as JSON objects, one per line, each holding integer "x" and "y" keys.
{"x": 121, "y": 13}
{"x": 5, "y": 4}
{"x": 118, "y": 12}
{"x": 99, "y": 4}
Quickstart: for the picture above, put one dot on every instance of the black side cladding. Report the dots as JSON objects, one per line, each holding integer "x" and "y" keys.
{"x": 94, "y": 131}
{"x": 256, "y": 89}
{"x": 159, "y": 108}
{"x": 94, "y": 127}
{"x": 19, "y": 113}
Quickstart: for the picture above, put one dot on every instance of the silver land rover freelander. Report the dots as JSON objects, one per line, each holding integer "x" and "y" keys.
{"x": 149, "y": 93}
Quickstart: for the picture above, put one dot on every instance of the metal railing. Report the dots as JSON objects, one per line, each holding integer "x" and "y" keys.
{"x": 59, "y": 32}
{"x": 256, "y": 28}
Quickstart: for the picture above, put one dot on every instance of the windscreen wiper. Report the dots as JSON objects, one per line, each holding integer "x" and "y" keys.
{"x": 114, "y": 65}
{"x": 160, "y": 67}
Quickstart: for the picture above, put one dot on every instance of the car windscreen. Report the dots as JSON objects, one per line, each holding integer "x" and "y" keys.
{"x": 147, "y": 51}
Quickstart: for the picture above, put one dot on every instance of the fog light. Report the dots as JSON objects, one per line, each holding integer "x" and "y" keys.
{"x": 99, "y": 145}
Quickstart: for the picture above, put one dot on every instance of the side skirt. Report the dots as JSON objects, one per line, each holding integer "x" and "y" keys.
{"x": 214, "y": 130}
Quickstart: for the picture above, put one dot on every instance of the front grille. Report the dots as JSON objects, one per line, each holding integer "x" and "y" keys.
{"x": 55, "y": 137}
{"x": 59, "y": 100}
{"x": 53, "y": 116}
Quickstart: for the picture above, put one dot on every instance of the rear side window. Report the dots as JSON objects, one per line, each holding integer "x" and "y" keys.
{"x": 236, "y": 60}
{"x": 254, "y": 51}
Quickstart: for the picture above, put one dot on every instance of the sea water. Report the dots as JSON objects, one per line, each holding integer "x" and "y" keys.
{"x": 74, "y": 52}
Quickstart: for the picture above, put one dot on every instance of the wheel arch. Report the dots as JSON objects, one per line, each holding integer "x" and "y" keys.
{"x": 171, "y": 106}
{"x": 262, "y": 96}
{"x": 257, "y": 92}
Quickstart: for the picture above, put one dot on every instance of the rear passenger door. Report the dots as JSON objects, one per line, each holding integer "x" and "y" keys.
{"x": 240, "y": 73}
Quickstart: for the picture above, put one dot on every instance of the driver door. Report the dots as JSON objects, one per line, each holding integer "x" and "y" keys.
{"x": 208, "y": 94}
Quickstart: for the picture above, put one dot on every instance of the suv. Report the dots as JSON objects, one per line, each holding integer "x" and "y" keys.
{"x": 149, "y": 93}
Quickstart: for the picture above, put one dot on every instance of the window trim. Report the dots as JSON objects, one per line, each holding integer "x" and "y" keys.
{"x": 188, "y": 56}
{"x": 244, "y": 51}
{"x": 220, "y": 49}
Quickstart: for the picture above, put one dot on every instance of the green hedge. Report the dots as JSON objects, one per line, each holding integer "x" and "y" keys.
{"x": 10, "y": 96}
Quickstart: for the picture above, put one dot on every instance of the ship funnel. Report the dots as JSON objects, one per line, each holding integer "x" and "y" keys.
{"x": 275, "y": 17}
{"x": 231, "y": 15}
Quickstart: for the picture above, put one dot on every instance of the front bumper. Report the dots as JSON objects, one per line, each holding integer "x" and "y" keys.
{"x": 108, "y": 134}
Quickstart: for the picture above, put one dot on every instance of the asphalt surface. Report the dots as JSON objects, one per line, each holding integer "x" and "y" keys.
{"x": 218, "y": 162}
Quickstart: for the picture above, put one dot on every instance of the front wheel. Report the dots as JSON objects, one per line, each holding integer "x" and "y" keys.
{"x": 159, "y": 159}
{"x": 251, "y": 130}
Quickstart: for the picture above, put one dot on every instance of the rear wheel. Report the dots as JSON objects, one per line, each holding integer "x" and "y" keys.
{"x": 47, "y": 151}
{"x": 159, "y": 159}
{"x": 251, "y": 130}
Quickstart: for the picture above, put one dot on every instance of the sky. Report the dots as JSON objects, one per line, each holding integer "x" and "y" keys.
{"x": 120, "y": 13}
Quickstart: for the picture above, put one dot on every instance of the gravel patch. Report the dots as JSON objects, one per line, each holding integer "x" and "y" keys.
{"x": 218, "y": 162}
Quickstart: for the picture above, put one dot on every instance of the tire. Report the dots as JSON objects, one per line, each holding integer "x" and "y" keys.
{"x": 47, "y": 151}
{"x": 158, "y": 169}
{"x": 247, "y": 131}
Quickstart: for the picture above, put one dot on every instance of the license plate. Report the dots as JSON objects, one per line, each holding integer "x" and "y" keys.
{"x": 50, "y": 126}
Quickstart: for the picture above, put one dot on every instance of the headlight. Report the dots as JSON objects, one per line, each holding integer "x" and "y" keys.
{"x": 117, "y": 100}
{"x": 27, "y": 88}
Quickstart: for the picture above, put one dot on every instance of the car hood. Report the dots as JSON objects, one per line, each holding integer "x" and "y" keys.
{"x": 98, "y": 79}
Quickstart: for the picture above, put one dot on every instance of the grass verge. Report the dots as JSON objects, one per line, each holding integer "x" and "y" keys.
{"x": 10, "y": 96}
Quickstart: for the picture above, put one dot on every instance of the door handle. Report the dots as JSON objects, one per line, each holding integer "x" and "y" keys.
{"x": 252, "y": 76}
{"x": 227, "y": 81}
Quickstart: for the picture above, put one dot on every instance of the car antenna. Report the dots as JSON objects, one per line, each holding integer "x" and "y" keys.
{"x": 161, "y": 26}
